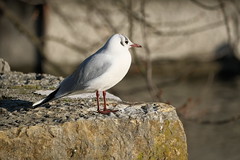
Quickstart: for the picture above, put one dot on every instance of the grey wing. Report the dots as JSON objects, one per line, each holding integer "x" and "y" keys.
{"x": 91, "y": 68}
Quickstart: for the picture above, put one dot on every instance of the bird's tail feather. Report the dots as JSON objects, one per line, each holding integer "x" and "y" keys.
{"x": 50, "y": 97}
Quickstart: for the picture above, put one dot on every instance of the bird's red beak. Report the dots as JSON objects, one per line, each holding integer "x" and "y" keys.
{"x": 136, "y": 45}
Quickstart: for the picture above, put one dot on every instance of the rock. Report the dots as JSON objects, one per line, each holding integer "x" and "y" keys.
{"x": 4, "y": 66}
{"x": 72, "y": 129}
{"x": 79, "y": 95}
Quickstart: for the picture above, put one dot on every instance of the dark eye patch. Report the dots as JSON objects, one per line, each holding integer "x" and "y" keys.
{"x": 124, "y": 42}
{"x": 121, "y": 43}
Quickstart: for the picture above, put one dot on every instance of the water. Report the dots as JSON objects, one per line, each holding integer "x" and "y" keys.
{"x": 211, "y": 106}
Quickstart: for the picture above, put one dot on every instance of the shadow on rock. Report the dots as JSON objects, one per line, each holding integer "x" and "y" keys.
{"x": 15, "y": 105}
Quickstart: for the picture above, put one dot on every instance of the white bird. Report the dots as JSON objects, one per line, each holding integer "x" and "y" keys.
{"x": 98, "y": 73}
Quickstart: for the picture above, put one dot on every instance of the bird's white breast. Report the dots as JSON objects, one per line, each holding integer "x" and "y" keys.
{"x": 120, "y": 65}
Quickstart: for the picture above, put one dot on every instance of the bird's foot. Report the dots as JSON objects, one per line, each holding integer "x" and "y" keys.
{"x": 107, "y": 111}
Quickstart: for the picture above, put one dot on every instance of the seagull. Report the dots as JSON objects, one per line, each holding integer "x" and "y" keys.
{"x": 98, "y": 73}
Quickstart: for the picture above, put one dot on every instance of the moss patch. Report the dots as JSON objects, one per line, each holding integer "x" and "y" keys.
{"x": 169, "y": 142}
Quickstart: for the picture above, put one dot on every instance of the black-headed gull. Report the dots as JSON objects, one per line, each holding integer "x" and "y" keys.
{"x": 98, "y": 72}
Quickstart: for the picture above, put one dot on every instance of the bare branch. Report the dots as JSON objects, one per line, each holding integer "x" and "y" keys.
{"x": 65, "y": 43}
{"x": 22, "y": 29}
{"x": 235, "y": 17}
{"x": 139, "y": 64}
{"x": 202, "y": 5}
{"x": 104, "y": 16}
{"x": 66, "y": 20}
{"x": 225, "y": 17}
{"x": 149, "y": 77}
{"x": 146, "y": 73}
{"x": 19, "y": 26}
{"x": 236, "y": 6}
{"x": 189, "y": 31}
{"x": 180, "y": 23}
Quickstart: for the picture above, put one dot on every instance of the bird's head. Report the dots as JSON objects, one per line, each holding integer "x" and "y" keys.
{"x": 120, "y": 41}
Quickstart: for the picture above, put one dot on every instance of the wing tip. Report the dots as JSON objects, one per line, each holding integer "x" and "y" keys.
{"x": 50, "y": 97}
{"x": 38, "y": 103}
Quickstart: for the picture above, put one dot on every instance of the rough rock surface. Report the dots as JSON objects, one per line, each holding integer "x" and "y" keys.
{"x": 72, "y": 129}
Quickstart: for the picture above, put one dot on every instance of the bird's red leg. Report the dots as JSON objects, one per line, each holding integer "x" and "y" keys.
{"x": 104, "y": 100}
{"x": 105, "y": 110}
{"x": 97, "y": 96}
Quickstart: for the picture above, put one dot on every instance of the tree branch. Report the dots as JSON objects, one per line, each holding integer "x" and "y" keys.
{"x": 225, "y": 17}
{"x": 204, "y": 6}
{"x": 149, "y": 77}
{"x": 22, "y": 29}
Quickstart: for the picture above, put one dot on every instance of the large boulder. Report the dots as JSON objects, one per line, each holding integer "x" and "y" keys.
{"x": 72, "y": 129}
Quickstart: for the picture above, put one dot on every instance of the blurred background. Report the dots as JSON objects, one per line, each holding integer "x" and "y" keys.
{"x": 190, "y": 56}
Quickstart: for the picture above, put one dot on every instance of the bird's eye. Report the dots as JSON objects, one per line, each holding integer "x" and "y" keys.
{"x": 126, "y": 42}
